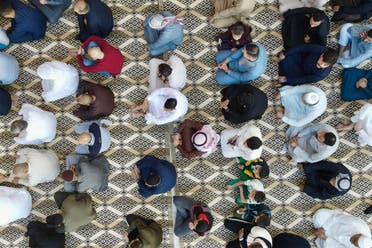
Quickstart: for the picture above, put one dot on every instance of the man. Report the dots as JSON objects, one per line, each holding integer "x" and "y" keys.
{"x": 93, "y": 137}
{"x": 191, "y": 217}
{"x": 143, "y": 232}
{"x": 355, "y": 44}
{"x": 9, "y": 68}
{"x": 311, "y": 143}
{"x": 94, "y": 17}
{"x": 28, "y": 24}
{"x": 334, "y": 228}
{"x": 15, "y": 204}
{"x": 34, "y": 167}
{"x": 286, "y": 240}
{"x": 241, "y": 66}
{"x": 52, "y": 9}
{"x": 76, "y": 209}
{"x": 250, "y": 191}
{"x": 163, "y": 32}
{"x": 356, "y": 84}
{"x": 304, "y": 26}
{"x": 83, "y": 173}
{"x": 252, "y": 169}
{"x": 154, "y": 176}
{"x": 242, "y": 103}
{"x": 36, "y": 126}
{"x": 7, "y": 101}
{"x": 325, "y": 180}
{"x": 95, "y": 101}
{"x": 58, "y": 80}
{"x": 255, "y": 214}
{"x": 245, "y": 142}
{"x": 250, "y": 237}
{"x": 237, "y": 36}
{"x": 305, "y": 64}
{"x": 97, "y": 55}
{"x": 162, "y": 106}
{"x": 301, "y": 104}
{"x": 351, "y": 11}
{"x": 163, "y": 73}
{"x": 285, "y": 5}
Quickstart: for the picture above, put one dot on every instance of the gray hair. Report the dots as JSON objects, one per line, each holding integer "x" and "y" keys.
{"x": 18, "y": 126}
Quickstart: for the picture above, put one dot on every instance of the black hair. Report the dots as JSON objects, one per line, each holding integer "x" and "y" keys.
{"x": 170, "y": 103}
{"x": 237, "y": 28}
{"x": 201, "y": 227}
{"x": 259, "y": 196}
{"x": 254, "y": 143}
{"x": 330, "y": 56}
{"x": 264, "y": 172}
{"x": 369, "y": 33}
{"x": 255, "y": 245}
{"x": 329, "y": 139}
{"x": 318, "y": 16}
{"x": 18, "y": 126}
{"x": 153, "y": 180}
{"x": 263, "y": 220}
{"x": 252, "y": 50}
{"x": 165, "y": 70}
{"x": 5, "y": 8}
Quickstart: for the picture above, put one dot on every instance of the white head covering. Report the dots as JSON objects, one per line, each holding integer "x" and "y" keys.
{"x": 3, "y": 37}
{"x": 205, "y": 139}
{"x": 365, "y": 242}
{"x": 156, "y": 21}
{"x": 311, "y": 98}
{"x": 342, "y": 182}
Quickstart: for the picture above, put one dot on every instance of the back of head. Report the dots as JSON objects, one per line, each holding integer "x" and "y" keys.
{"x": 255, "y": 245}
{"x": 170, "y": 103}
{"x": 152, "y": 180}
{"x": 263, "y": 220}
{"x": 264, "y": 172}
{"x": 85, "y": 99}
{"x": 318, "y": 16}
{"x": 330, "y": 139}
{"x": 330, "y": 56}
{"x": 81, "y": 7}
{"x": 254, "y": 143}
{"x": 252, "y": 50}
{"x": 136, "y": 243}
{"x": 259, "y": 196}
{"x": 165, "y": 70}
{"x": 21, "y": 170}
{"x": 237, "y": 28}
{"x": 5, "y": 8}
{"x": 18, "y": 126}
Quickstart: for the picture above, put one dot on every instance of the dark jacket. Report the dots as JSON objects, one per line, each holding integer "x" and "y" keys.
{"x": 102, "y": 106}
{"x": 299, "y": 65}
{"x": 289, "y": 240}
{"x": 226, "y": 41}
{"x": 5, "y": 102}
{"x": 99, "y": 20}
{"x": 43, "y": 236}
{"x": 186, "y": 129}
{"x": 349, "y": 92}
{"x": 362, "y": 9}
{"x": 238, "y": 112}
{"x": 296, "y": 26}
{"x": 29, "y": 23}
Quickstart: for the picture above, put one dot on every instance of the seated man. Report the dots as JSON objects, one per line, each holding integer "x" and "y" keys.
{"x": 27, "y": 23}
{"x": 255, "y": 214}
{"x": 34, "y": 166}
{"x": 7, "y": 101}
{"x": 311, "y": 143}
{"x": 237, "y": 36}
{"x": 351, "y": 11}
{"x": 285, "y": 240}
{"x": 285, "y": 5}
{"x": 361, "y": 122}
{"x": 227, "y": 12}
{"x": 9, "y": 68}
{"x": 241, "y": 66}
{"x": 250, "y": 191}
{"x": 83, "y": 173}
{"x": 163, "y": 32}
{"x": 97, "y": 55}
{"x": 355, "y": 44}
{"x": 37, "y": 126}
{"x": 94, "y": 17}
{"x": 52, "y": 9}
{"x": 245, "y": 142}
{"x": 58, "y": 80}
{"x": 162, "y": 106}
{"x": 163, "y": 73}
{"x": 356, "y": 84}
{"x": 191, "y": 217}
{"x": 334, "y": 228}
{"x": 93, "y": 138}
{"x": 250, "y": 237}
{"x": 195, "y": 139}
{"x": 242, "y": 103}
{"x": 301, "y": 104}
{"x": 95, "y": 101}
{"x": 15, "y": 204}
{"x": 49, "y": 234}
{"x": 305, "y": 64}
{"x": 4, "y": 40}
{"x": 154, "y": 176}
{"x": 143, "y": 232}
{"x": 304, "y": 26}
{"x": 76, "y": 209}
{"x": 253, "y": 169}
{"x": 325, "y": 180}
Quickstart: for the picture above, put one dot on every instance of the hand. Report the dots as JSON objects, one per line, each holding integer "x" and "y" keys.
{"x": 233, "y": 49}
{"x": 293, "y": 141}
{"x": 336, "y": 8}
{"x": 136, "y": 173}
{"x": 15, "y": 180}
{"x": 74, "y": 52}
{"x": 282, "y": 79}
{"x": 125, "y": 237}
{"x": 362, "y": 83}
{"x": 177, "y": 139}
{"x": 320, "y": 233}
{"x": 224, "y": 104}
{"x": 363, "y": 34}
{"x": 222, "y": 64}
{"x": 43, "y": 1}
{"x": 241, "y": 233}
{"x": 358, "y": 126}
{"x": 307, "y": 39}
{"x": 277, "y": 96}
{"x": 145, "y": 106}
{"x": 81, "y": 51}
{"x": 281, "y": 56}
{"x": 301, "y": 186}
{"x": 279, "y": 112}
{"x": 232, "y": 140}
{"x": 191, "y": 226}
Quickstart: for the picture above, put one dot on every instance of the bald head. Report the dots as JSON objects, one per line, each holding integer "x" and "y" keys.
{"x": 84, "y": 139}
{"x": 85, "y": 99}
{"x": 95, "y": 53}
{"x": 21, "y": 170}
{"x": 81, "y": 7}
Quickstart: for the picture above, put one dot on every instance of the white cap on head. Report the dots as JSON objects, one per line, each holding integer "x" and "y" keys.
{"x": 156, "y": 21}
{"x": 364, "y": 242}
{"x": 343, "y": 182}
{"x": 311, "y": 98}
{"x": 205, "y": 139}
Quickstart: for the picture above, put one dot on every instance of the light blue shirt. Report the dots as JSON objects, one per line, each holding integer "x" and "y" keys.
{"x": 9, "y": 68}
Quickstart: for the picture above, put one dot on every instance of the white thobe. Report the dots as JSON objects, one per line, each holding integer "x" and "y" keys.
{"x": 176, "y": 80}
{"x": 43, "y": 166}
{"x": 339, "y": 227}
{"x": 256, "y": 234}
{"x": 365, "y": 115}
{"x": 14, "y": 204}
{"x": 285, "y": 5}
{"x": 3, "y": 37}
{"x": 59, "y": 80}
{"x": 41, "y": 126}
{"x": 239, "y": 149}
{"x": 156, "y": 113}
{"x": 296, "y": 112}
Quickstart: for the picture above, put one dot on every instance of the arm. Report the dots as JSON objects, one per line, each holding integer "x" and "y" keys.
{"x": 235, "y": 55}
{"x": 362, "y": 9}
{"x": 84, "y": 126}
{"x": 354, "y": 61}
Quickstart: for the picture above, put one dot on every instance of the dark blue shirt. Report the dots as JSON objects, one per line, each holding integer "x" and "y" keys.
{"x": 5, "y": 102}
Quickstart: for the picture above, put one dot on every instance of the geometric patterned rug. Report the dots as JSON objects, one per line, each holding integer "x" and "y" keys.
{"x": 201, "y": 178}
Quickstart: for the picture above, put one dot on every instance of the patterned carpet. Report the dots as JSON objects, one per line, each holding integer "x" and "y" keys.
{"x": 203, "y": 178}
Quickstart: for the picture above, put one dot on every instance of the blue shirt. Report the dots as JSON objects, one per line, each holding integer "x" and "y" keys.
{"x": 9, "y": 68}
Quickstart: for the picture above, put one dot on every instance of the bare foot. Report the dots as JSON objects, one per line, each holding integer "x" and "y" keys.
{"x": 277, "y": 96}
{"x": 279, "y": 112}
{"x": 278, "y": 85}
{"x": 344, "y": 125}
{"x": 15, "y": 99}
{"x": 301, "y": 186}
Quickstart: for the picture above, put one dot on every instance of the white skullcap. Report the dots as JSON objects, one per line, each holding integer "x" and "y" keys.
{"x": 156, "y": 21}
{"x": 311, "y": 98}
{"x": 342, "y": 182}
{"x": 364, "y": 242}
{"x": 205, "y": 139}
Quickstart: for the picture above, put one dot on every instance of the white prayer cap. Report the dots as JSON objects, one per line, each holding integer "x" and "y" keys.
{"x": 343, "y": 182}
{"x": 364, "y": 242}
{"x": 311, "y": 98}
{"x": 205, "y": 139}
{"x": 156, "y": 21}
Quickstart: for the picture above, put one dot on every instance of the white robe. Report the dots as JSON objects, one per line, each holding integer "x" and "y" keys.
{"x": 157, "y": 115}
{"x": 285, "y": 5}
{"x": 59, "y": 80}
{"x": 43, "y": 166}
{"x": 364, "y": 114}
{"x": 3, "y": 37}
{"x": 14, "y": 204}
{"x": 41, "y": 126}
{"x": 239, "y": 149}
{"x": 339, "y": 227}
{"x": 257, "y": 233}
{"x": 176, "y": 80}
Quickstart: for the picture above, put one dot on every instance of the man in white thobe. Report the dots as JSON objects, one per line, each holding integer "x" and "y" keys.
{"x": 337, "y": 229}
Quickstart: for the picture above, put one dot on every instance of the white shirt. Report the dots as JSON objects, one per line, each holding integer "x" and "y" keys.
{"x": 364, "y": 114}
{"x": 59, "y": 80}
{"x": 176, "y": 80}
{"x": 41, "y": 126}
{"x": 14, "y": 204}
{"x": 157, "y": 115}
